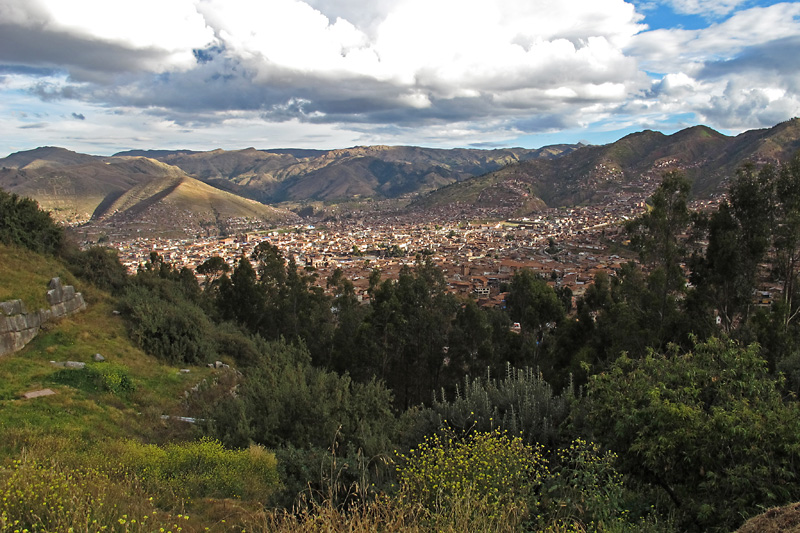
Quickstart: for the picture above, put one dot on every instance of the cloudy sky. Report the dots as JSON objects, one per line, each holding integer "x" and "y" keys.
{"x": 99, "y": 76}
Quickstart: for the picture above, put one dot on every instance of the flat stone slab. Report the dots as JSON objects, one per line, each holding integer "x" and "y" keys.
{"x": 38, "y": 393}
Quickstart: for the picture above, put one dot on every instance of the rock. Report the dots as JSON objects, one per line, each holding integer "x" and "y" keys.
{"x": 218, "y": 364}
{"x": 115, "y": 312}
{"x": 185, "y": 370}
{"x": 18, "y": 326}
{"x": 75, "y": 365}
{"x": 56, "y": 293}
{"x": 38, "y": 393}
{"x": 98, "y": 358}
{"x": 13, "y": 307}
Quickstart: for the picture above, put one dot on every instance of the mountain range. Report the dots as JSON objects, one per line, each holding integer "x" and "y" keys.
{"x": 274, "y": 176}
{"x": 210, "y": 187}
{"x": 708, "y": 158}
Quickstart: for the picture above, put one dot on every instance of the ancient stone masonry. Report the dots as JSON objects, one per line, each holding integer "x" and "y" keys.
{"x": 18, "y": 327}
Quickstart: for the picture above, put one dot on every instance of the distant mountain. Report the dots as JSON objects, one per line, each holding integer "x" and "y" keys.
{"x": 330, "y": 175}
{"x": 50, "y": 156}
{"x": 79, "y": 188}
{"x": 587, "y": 175}
{"x": 503, "y": 182}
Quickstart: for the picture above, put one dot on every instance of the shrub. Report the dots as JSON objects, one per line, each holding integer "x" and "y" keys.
{"x": 489, "y": 474}
{"x": 175, "y": 330}
{"x": 104, "y": 377}
{"x": 585, "y": 492}
{"x": 203, "y": 469}
{"x": 44, "y": 496}
{"x": 522, "y": 403}
{"x": 24, "y": 224}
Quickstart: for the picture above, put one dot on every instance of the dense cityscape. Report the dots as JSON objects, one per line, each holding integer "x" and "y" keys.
{"x": 568, "y": 246}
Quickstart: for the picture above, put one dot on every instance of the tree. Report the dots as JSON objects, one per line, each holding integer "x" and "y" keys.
{"x": 656, "y": 234}
{"x": 707, "y": 426}
{"x": 22, "y": 223}
{"x": 241, "y": 299}
{"x": 787, "y": 236}
{"x": 739, "y": 236}
{"x": 535, "y": 305}
{"x": 213, "y": 268}
{"x": 99, "y": 266}
{"x": 407, "y": 330}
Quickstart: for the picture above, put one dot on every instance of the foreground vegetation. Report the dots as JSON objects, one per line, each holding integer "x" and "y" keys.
{"x": 652, "y": 405}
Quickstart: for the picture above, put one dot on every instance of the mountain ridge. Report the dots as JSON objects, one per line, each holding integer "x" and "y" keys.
{"x": 707, "y": 157}
{"x": 79, "y": 187}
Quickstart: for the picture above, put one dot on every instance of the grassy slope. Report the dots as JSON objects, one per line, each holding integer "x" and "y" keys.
{"x": 80, "y": 409}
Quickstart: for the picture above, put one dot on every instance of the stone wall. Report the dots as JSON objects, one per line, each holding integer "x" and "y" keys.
{"x": 18, "y": 327}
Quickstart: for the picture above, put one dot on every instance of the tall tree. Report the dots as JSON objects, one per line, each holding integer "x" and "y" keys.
{"x": 787, "y": 236}
{"x": 536, "y": 306}
{"x": 657, "y": 233}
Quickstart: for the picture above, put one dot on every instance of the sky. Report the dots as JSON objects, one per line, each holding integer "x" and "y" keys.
{"x": 102, "y": 76}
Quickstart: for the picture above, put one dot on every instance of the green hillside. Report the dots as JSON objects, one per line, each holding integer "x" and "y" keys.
{"x": 79, "y": 407}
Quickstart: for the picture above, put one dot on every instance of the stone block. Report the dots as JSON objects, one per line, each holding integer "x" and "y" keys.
{"x": 69, "y": 293}
{"x": 13, "y": 307}
{"x": 56, "y": 293}
{"x": 18, "y": 327}
{"x": 73, "y": 305}
{"x": 45, "y": 316}
{"x": 59, "y": 310}
{"x": 7, "y": 343}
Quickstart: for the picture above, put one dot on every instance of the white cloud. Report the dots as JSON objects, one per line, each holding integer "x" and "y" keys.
{"x": 711, "y": 8}
{"x": 399, "y": 70}
{"x": 447, "y": 47}
{"x": 671, "y": 50}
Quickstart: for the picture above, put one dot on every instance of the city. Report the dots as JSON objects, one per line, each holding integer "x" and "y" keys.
{"x": 567, "y": 246}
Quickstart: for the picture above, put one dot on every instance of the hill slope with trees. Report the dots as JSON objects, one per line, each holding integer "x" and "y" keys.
{"x": 653, "y": 405}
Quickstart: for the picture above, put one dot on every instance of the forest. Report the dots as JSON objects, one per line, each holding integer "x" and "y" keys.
{"x": 664, "y": 399}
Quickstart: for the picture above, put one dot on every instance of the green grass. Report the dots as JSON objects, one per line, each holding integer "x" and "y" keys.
{"x": 24, "y": 275}
{"x": 124, "y": 398}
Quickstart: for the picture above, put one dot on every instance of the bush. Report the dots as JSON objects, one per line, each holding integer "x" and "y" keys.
{"x": 98, "y": 377}
{"x": 175, "y": 330}
{"x": 203, "y": 469}
{"x": 43, "y": 496}
{"x": 489, "y": 474}
{"x": 22, "y": 223}
{"x": 522, "y": 403}
{"x": 709, "y": 427}
{"x": 99, "y": 266}
{"x": 585, "y": 492}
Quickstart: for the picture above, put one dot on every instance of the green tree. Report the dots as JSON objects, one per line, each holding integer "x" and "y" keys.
{"x": 240, "y": 297}
{"x": 656, "y": 234}
{"x": 99, "y": 266}
{"x": 708, "y": 426}
{"x": 535, "y": 305}
{"x": 739, "y": 236}
{"x": 22, "y": 223}
{"x": 213, "y": 268}
{"x": 787, "y": 237}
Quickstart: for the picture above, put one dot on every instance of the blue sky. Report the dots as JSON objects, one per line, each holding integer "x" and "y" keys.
{"x": 100, "y": 77}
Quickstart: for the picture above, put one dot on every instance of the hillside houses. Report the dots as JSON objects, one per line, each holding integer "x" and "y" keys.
{"x": 565, "y": 246}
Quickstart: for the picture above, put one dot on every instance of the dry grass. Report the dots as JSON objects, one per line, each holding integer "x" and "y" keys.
{"x": 776, "y": 520}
